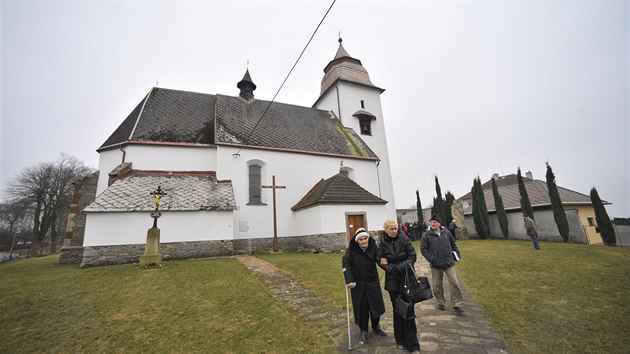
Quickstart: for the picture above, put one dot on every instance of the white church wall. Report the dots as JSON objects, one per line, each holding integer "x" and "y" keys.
{"x": 176, "y": 226}
{"x": 350, "y": 97}
{"x": 107, "y": 161}
{"x": 172, "y": 158}
{"x": 325, "y": 219}
{"x": 157, "y": 158}
{"x": 298, "y": 172}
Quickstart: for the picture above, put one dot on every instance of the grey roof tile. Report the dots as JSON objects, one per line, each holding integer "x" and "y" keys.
{"x": 189, "y": 117}
{"x": 184, "y": 192}
{"x": 338, "y": 189}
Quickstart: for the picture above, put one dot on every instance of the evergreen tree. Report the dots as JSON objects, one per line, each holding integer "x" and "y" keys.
{"x": 479, "y": 207}
{"x": 419, "y": 208}
{"x": 434, "y": 207}
{"x": 603, "y": 221}
{"x": 556, "y": 205}
{"x": 500, "y": 209}
{"x": 475, "y": 208}
{"x": 439, "y": 201}
{"x": 526, "y": 205}
{"x": 485, "y": 218}
{"x": 448, "y": 204}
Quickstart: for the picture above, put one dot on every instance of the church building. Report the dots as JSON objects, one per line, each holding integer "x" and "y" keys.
{"x": 237, "y": 170}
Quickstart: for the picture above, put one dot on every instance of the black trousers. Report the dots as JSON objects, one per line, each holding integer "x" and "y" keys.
{"x": 405, "y": 331}
{"x": 365, "y": 313}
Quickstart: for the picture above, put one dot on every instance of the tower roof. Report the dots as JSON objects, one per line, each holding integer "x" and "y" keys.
{"x": 345, "y": 67}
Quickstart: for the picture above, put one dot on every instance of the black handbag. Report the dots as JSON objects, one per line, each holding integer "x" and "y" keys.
{"x": 416, "y": 289}
{"x": 404, "y": 309}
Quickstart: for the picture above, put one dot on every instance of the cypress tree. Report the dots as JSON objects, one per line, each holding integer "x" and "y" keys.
{"x": 475, "y": 208}
{"x": 448, "y": 204}
{"x": 500, "y": 209}
{"x": 439, "y": 202}
{"x": 485, "y": 218}
{"x": 419, "y": 208}
{"x": 526, "y": 205}
{"x": 479, "y": 208}
{"x": 556, "y": 205}
{"x": 434, "y": 208}
{"x": 603, "y": 221}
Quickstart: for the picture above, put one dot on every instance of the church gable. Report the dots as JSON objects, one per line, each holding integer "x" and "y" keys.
{"x": 285, "y": 127}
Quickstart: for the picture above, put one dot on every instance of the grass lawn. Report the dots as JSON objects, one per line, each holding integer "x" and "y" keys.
{"x": 203, "y": 306}
{"x": 565, "y": 298}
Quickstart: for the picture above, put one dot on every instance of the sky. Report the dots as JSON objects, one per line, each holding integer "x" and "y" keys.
{"x": 473, "y": 88}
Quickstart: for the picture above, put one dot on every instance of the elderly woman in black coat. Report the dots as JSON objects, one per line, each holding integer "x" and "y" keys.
{"x": 361, "y": 276}
{"x": 396, "y": 253}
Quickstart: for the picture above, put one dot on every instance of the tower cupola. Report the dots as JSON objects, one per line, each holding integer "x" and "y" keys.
{"x": 247, "y": 87}
{"x": 344, "y": 67}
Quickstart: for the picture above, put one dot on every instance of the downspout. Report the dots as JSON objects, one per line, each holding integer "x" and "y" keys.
{"x": 338, "y": 104}
{"x": 378, "y": 178}
{"x": 122, "y": 148}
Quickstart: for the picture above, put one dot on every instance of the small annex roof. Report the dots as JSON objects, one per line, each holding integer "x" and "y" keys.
{"x": 536, "y": 191}
{"x": 190, "y": 192}
{"x": 338, "y": 189}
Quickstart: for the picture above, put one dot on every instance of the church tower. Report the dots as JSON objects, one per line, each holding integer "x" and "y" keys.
{"x": 348, "y": 92}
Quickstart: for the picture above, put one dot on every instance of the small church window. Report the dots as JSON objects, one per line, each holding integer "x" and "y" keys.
{"x": 255, "y": 181}
{"x": 590, "y": 221}
{"x": 362, "y": 104}
{"x": 366, "y": 125}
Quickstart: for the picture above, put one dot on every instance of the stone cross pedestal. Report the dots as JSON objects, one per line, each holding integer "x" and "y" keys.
{"x": 152, "y": 257}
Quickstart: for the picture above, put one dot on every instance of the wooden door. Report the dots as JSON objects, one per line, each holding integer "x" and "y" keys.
{"x": 354, "y": 223}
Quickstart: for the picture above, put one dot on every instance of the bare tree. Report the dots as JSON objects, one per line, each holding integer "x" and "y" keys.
{"x": 11, "y": 214}
{"x": 47, "y": 189}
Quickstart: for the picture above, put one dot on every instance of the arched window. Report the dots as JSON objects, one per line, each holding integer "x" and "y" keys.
{"x": 254, "y": 175}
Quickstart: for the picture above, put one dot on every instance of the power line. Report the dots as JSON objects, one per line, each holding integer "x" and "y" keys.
{"x": 287, "y": 77}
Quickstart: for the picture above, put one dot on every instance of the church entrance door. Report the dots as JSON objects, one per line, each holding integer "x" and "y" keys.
{"x": 354, "y": 222}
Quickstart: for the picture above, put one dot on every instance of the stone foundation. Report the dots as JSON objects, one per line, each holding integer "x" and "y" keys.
{"x": 71, "y": 255}
{"x": 121, "y": 254}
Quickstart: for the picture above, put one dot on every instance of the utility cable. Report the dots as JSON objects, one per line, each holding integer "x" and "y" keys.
{"x": 287, "y": 77}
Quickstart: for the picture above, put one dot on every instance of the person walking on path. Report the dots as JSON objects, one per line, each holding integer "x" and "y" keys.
{"x": 396, "y": 253}
{"x": 361, "y": 276}
{"x": 438, "y": 247}
{"x": 530, "y": 228}
{"x": 452, "y": 227}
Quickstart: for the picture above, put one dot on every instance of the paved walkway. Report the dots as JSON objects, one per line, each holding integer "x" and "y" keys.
{"x": 438, "y": 331}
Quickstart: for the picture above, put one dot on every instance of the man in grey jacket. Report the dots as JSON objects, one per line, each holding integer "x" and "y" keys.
{"x": 438, "y": 246}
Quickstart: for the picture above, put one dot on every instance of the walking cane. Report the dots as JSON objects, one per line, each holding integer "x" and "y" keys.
{"x": 348, "y": 315}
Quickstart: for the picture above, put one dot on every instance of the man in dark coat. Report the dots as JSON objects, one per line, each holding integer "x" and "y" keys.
{"x": 438, "y": 246}
{"x": 361, "y": 276}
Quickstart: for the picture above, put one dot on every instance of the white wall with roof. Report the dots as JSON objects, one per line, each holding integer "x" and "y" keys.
{"x": 157, "y": 158}
{"x": 299, "y": 173}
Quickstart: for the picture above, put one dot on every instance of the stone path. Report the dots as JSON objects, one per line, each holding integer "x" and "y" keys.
{"x": 438, "y": 331}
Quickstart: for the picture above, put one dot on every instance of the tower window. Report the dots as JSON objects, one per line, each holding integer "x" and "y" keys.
{"x": 362, "y": 104}
{"x": 366, "y": 125}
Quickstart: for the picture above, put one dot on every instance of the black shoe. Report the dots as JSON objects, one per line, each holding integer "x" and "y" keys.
{"x": 379, "y": 331}
{"x": 459, "y": 310}
{"x": 441, "y": 307}
{"x": 364, "y": 337}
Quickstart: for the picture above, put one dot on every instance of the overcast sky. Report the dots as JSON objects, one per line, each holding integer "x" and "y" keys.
{"x": 472, "y": 87}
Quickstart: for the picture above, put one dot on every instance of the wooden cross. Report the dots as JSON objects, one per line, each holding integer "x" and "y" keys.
{"x": 275, "y": 223}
